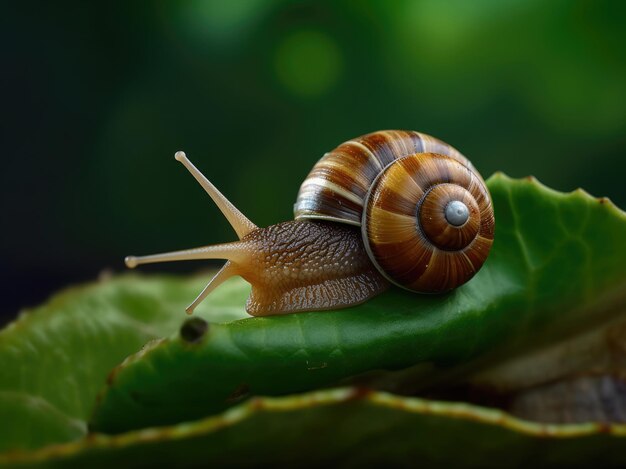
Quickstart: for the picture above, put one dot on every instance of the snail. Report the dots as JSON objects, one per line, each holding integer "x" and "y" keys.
{"x": 389, "y": 207}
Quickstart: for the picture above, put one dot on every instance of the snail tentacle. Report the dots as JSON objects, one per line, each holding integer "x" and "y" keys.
{"x": 237, "y": 220}
{"x": 227, "y": 271}
{"x": 233, "y": 251}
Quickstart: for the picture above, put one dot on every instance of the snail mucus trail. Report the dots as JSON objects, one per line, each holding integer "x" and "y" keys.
{"x": 424, "y": 223}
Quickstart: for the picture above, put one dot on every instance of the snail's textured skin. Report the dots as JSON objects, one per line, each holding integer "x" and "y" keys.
{"x": 396, "y": 185}
{"x": 306, "y": 265}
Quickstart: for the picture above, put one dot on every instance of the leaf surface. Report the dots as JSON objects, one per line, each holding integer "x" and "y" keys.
{"x": 346, "y": 428}
{"x": 56, "y": 357}
{"x": 556, "y": 269}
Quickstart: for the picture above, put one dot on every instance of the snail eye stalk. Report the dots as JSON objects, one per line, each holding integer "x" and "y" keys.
{"x": 234, "y": 252}
{"x": 237, "y": 220}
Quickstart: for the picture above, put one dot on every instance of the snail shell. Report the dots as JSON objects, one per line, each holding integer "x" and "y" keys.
{"x": 425, "y": 212}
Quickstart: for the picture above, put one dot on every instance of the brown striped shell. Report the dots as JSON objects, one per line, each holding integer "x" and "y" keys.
{"x": 402, "y": 207}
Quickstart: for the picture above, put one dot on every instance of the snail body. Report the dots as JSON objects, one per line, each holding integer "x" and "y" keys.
{"x": 307, "y": 265}
{"x": 395, "y": 207}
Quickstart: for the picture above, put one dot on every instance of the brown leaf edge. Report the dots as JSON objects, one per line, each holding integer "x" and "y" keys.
{"x": 337, "y": 396}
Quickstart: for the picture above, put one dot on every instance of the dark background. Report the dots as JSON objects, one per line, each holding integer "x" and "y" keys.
{"x": 97, "y": 97}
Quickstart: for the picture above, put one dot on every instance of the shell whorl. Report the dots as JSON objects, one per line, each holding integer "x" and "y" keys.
{"x": 405, "y": 229}
{"x": 336, "y": 187}
{"x": 412, "y": 230}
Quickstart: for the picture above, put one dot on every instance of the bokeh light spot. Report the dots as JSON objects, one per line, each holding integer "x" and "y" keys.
{"x": 308, "y": 63}
{"x": 221, "y": 23}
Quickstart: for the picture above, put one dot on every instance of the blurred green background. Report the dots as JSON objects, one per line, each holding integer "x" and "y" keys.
{"x": 97, "y": 97}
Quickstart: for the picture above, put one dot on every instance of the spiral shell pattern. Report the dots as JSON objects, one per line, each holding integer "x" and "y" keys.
{"x": 336, "y": 187}
{"x": 406, "y": 210}
{"x": 406, "y": 230}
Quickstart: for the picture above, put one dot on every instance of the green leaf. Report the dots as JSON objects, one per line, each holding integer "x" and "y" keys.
{"x": 346, "y": 427}
{"x": 556, "y": 268}
{"x": 56, "y": 357}
{"x": 556, "y": 271}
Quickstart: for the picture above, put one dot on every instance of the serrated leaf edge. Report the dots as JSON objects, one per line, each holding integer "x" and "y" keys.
{"x": 499, "y": 176}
